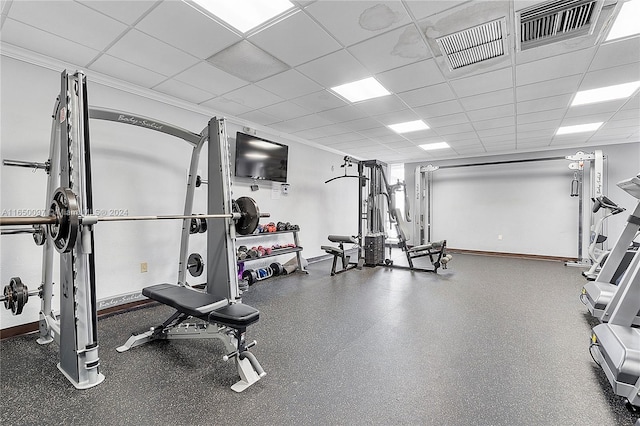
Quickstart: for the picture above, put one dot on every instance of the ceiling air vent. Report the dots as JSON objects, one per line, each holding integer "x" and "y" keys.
{"x": 474, "y": 45}
{"x": 556, "y": 20}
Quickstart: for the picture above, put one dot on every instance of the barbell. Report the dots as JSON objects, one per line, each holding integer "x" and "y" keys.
{"x": 16, "y": 295}
{"x": 64, "y": 219}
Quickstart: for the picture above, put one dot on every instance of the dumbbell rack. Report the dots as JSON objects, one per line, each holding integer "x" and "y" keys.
{"x": 277, "y": 252}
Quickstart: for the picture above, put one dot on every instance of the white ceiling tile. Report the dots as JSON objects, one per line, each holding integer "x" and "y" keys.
{"x": 319, "y": 101}
{"x": 395, "y": 117}
{"x": 544, "y": 133}
{"x": 381, "y": 105}
{"x": 343, "y": 113}
{"x": 253, "y": 97}
{"x": 457, "y": 128}
{"x": 401, "y": 143}
{"x": 248, "y": 62}
{"x": 289, "y": 84}
{"x": 633, "y": 103}
{"x": 461, "y": 137}
{"x": 547, "y": 89}
{"x": 361, "y": 124}
{"x": 295, "y": 40}
{"x": 439, "y": 109}
{"x": 331, "y": 131}
{"x": 391, "y": 139}
{"x": 396, "y": 48}
{"x": 285, "y": 110}
{"x": 146, "y": 51}
{"x": 627, "y": 114}
{"x": 498, "y": 131}
{"x": 354, "y": 21}
{"x": 597, "y": 108}
{"x": 123, "y": 10}
{"x": 533, "y": 143}
{"x": 413, "y": 76}
{"x": 428, "y": 95}
{"x": 537, "y": 126}
{"x": 483, "y": 83}
{"x": 126, "y": 71}
{"x": 54, "y": 16}
{"x": 377, "y": 132}
{"x": 543, "y": 104}
{"x": 226, "y": 106}
{"x": 193, "y": 32}
{"x": 534, "y": 117}
{"x": 486, "y": 100}
{"x": 364, "y": 143}
{"x": 498, "y": 140}
{"x": 492, "y": 112}
{"x": 506, "y": 147}
{"x": 259, "y": 117}
{"x": 496, "y": 122}
{"x": 554, "y": 67}
{"x": 183, "y": 91}
{"x": 339, "y": 138}
{"x": 611, "y": 76}
{"x": 27, "y": 37}
{"x": 422, "y": 136}
{"x": 207, "y": 77}
{"x": 422, "y": 9}
{"x": 447, "y": 120}
{"x": 616, "y": 52}
{"x": 301, "y": 124}
{"x": 334, "y": 69}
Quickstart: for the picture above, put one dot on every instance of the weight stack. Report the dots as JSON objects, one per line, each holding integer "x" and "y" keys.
{"x": 374, "y": 249}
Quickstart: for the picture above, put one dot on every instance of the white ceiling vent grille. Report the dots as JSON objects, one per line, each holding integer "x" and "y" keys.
{"x": 473, "y": 45}
{"x": 556, "y": 20}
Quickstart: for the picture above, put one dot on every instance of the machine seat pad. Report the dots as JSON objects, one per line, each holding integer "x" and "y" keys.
{"x": 434, "y": 246}
{"x": 342, "y": 239}
{"x": 188, "y": 301}
{"x": 333, "y": 250}
{"x": 236, "y": 315}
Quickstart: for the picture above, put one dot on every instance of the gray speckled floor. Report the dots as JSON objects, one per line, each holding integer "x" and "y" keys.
{"x": 490, "y": 341}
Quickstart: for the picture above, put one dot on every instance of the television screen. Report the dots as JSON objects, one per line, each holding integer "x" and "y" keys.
{"x": 258, "y": 158}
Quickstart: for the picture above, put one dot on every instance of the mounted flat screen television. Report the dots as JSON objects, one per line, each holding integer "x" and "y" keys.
{"x": 258, "y": 158}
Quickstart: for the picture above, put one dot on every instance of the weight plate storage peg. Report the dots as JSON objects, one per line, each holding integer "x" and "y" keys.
{"x": 195, "y": 264}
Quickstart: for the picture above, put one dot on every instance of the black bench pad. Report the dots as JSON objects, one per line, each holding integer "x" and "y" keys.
{"x": 188, "y": 301}
{"x": 236, "y": 315}
{"x": 342, "y": 239}
{"x": 333, "y": 250}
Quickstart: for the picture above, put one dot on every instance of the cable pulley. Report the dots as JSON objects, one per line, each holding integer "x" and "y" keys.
{"x": 64, "y": 220}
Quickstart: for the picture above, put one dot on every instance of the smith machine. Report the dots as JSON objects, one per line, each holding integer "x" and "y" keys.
{"x": 423, "y": 223}
{"x": 376, "y": 197}
{"x": 69, "y": 230}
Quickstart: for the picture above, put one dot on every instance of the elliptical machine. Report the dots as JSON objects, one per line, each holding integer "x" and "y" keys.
{"x": 599, "y": 256}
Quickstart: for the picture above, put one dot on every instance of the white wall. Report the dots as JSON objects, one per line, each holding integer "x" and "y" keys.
{"x": 527, "y": 203}
{"x": 142, "y": 172}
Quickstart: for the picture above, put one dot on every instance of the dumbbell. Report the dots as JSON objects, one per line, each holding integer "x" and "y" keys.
{"x": 16, "y": 295}
{"x": 250, "y": 275}
{"x": 277, "y": 268}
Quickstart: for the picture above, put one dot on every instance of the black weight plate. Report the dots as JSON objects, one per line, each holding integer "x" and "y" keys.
{"x": 64, "y": 205}
{"x": 250, "y": 215}
{"x": 20, "y": 295}
{"x": 195, "y": 265}
{"x": 203, "y": 226}
{"x": 194, "y": 226}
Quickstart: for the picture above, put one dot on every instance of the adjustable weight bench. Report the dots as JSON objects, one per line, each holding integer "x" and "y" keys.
{"x": 339, "y": 252}
{"x": 219, "y": 320}
{"x": 436, "y": 251}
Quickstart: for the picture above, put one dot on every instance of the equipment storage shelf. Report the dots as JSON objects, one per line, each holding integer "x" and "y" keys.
{"x": 276, "y": 252}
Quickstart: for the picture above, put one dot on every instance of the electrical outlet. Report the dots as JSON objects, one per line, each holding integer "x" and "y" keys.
{"x": 499, "y": 236}
{"x": 143, "y": 267}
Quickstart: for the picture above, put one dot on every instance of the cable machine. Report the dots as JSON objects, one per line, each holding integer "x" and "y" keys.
{"x": 423, "y": 195}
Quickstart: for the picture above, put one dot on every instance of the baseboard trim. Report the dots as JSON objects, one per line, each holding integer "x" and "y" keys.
{"x": 512, "y": 255}
{"x": 32, "y": 327}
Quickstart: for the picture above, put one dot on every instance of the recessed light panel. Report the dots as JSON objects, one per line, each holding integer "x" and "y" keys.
{"x": 603, "y": 94}
{"x": 626, "y": 23}
{"x": 361, "y": 90}
{"x": 432, "y": 146}
{"x": 245, "y": 15}
{"x": 578, "y": 128}
{"x": 409, "y": 126}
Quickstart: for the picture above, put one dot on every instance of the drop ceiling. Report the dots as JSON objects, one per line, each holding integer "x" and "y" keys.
{"x": 278, "y": 76}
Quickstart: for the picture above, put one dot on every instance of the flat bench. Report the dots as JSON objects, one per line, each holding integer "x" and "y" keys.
{"x": 338, "y": 252}
{"x": 203, "y": 305}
